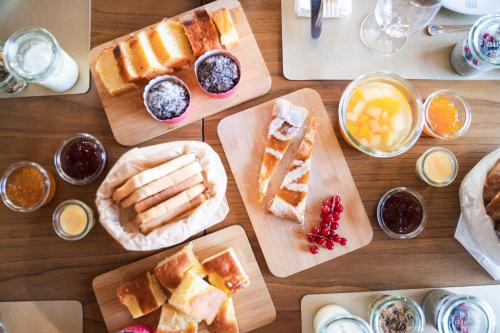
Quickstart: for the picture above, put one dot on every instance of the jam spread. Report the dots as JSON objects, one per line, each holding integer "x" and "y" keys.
{"x": 81, "y": 158}
{"x": 402, "y": 213}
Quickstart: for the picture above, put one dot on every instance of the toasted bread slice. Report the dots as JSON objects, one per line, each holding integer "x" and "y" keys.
{"x": 493, "y": 208}
{"x": 171, "y": 270}
{"x": 290, "y": 201}
{"x": 491, "y": 183}
{"x": 109, "y": 73}
{"x": 226, "y": 272}
{"x": 174, "y": 321}
{"x": 226, "y": 27}
{"x": 123, "y": 56}
{"x": 170, "y": 44}
{"x": 201, "y": 32}
{"x": 141, "y": 295}
{"x": 198, "y": 299}
{"x": 285, "y": 124}
{"x": 225, "y": 321}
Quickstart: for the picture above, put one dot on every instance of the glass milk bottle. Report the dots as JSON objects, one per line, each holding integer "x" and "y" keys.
{"x": 34, "y": 55}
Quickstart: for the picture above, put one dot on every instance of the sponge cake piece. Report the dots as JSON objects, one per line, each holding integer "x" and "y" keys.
{"x": 170, "y": 44}
{"x": 144, "y": 59}
{"x": 225, "y": 25}
{"x": 123, "y": 56}
{"x": 226, "y": 272}
{"x": 225, "y": 321}
{"x": 174, "y": 321}
{"x": 109, "y": 73}
{"x": 201, "y": 32}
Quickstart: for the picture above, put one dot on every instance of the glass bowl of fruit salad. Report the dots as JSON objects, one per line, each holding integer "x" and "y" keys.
{"x": 381, "y": 114}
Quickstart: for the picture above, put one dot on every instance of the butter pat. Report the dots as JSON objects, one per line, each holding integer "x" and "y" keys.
{"x": 73, "y": 219}
{"x": 437, "y": 167}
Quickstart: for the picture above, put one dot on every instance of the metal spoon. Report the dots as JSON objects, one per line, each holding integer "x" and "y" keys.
{"x": 434, "y": 30}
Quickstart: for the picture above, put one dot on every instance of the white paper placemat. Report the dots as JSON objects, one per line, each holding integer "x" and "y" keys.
{"x": 340, "y": 54}
{"x": 67, "y": 20}
{"x": 358, "y": 302}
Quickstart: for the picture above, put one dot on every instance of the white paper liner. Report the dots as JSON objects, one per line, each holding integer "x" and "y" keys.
{"x": 117, "y": 221}
{"x": 475, "y": 229}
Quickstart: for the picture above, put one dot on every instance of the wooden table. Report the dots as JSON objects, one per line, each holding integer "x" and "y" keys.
{"x": 37, "y": 265}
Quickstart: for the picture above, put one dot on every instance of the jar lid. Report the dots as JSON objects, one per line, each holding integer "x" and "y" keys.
{"x": 485, "y": 35}
{"x": 467, "y": 314}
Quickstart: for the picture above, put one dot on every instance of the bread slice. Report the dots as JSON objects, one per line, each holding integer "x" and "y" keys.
{"x": 174, "y": 321}
{"x": 144, "y": 58}
{"x": 162, "y": 183}
{"x": 290, "y": 201}
{"x": 225, "y": 25}
{"x": 170, "y": 44}
{"x": 123, "y": 56}
{"x": 201, "y": 32}
{"x": 109, "y": 73}
{"x": 493, "y": 208}
{"x": 285, "y": 124}
{"x": 198, "y": 299}
{"x": 492, "y": 183}
{"x": 225, "y": 321}
{"x": 226, "y": 272}
{"x": 171, "y": 270}
{"x": 141, "y": 295}
{"x": 147, "y": 176}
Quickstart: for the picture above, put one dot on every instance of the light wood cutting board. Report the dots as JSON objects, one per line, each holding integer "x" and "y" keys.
{"x": 127, "y": 116}
{"x": 253, "y": 305}
{"x": 286, "y": 250}
{"x": 357, "y": 303}
{"x": 42, "y": 316}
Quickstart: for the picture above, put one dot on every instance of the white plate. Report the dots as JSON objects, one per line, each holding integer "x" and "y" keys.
{"x": 473, "y": 7}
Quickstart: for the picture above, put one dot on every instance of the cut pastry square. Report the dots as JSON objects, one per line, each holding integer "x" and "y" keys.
{"x": 141, "y": 295}
{"x": 174, "y": 321}
{"x": 171, "y": 270}
{"x": 201, "y": 32}
{"x": 226, "y": 27}
{"x": 144, "y": 59}
{"x": 225, "y": 321}
{"x": 287, "y": 119}
{"x": 198, "y": 299}
{"x": 290, "y": 200}
{"x": 109, "y": 73}
{"x": 226, "y": 272}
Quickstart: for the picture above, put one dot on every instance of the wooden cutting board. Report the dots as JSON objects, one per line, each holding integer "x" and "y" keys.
{"x": 357, "y": 303}
{"x": 127, "y": 116}
{"x": 243, "y": 136}
{"x": 253, "y": 305}
{"x": 42, "y": 316}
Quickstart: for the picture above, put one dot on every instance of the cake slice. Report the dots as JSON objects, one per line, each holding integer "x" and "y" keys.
{"x": 171, "y": 270}
{"x": 141, "y": 295}
{"x": 201, "y": 32}
{"x": 170, "y": 44}
{"x": 285, "y": 124}
{"x": 226, "y": 272}
{"x": 290, "y": 201}
{"x": 109, "y": 73}
{"x": 225, "y": 321}
{"x": 225, "y": 25}
{"x": 123, "y": 56}
{"x": 174, "y": 321}
{"x": 198, "y": 299}
{"x": 144, "y": 58}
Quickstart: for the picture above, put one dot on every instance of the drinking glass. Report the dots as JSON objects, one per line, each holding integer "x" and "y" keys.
{"x": 386, "y": 29}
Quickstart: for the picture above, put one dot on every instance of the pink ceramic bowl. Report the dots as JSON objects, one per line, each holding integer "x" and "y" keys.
{"x": 207, "y": 55}
{"x": 137, "y": 329}
{"x": 172, "y": 79}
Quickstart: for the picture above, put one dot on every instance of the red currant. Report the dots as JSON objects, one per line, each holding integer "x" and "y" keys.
{"x": 343, "y": 241}
{"x": 316, "y": 230}
{"x": 324, "y": 225}
{"x": 329, "y": 218}
{"x": 329, "y": 245}
{"x": 336, "y": 239}
{"x": 317, "y": 239}
{"x": 339, "y": 208}
{"x": 314, "y": 249}
{"x": 335, "y": 216}
{"x": 327, "y": 203}
{"x": 325, "y": 232}
{"x": 334, "y": 226}
{"x": 326, "y": 210}
{"x": 335, "y": 200}
{"x": 322, "y": 242}
{"x": 310, "y": 238}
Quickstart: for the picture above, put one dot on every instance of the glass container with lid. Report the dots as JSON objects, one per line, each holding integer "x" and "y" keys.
{"x": 8, "y": 83}
{"x": 480, "y": 51}
{"x": 73, "y": 220}
{"x": 437, "y": 167}
{"x": 452, "y": 313}
{"x": 396, "y": 314}
{"x": 336, "y": 319}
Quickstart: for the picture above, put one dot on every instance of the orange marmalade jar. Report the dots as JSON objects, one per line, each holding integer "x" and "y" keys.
{"x": 26, "y": 186}
{"x": 447, "y": 115}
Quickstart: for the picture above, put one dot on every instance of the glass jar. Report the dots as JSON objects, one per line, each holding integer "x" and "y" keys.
{"x": 8, "y": 83}
{"x": 334, "y": 318}
{"x": 437, "y": 167}
{"x": 26, "y": 186}
{"x": 60, "y": 226}
{"x": 395, "y": 314}
{"x": 480, "y": 51}
{"x": 34, "y": 55}
{"x": 452, "y": 313}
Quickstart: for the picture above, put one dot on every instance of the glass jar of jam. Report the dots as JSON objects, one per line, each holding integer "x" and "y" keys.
{"x": 451, "y": 313}
{"x": 395, "y": 314}
{"x": 80, "y": 159}
{"x": 27, "y": 186}
{"x": 401, "y": 213}
{"x": 334, "y": 318}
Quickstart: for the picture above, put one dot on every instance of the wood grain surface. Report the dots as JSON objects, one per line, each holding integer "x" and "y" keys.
{"x": 253, "y": 305}
{"x": 127, "y": 116}
{"x": 284, "y": 243}
{"x": 37, "y": 265}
